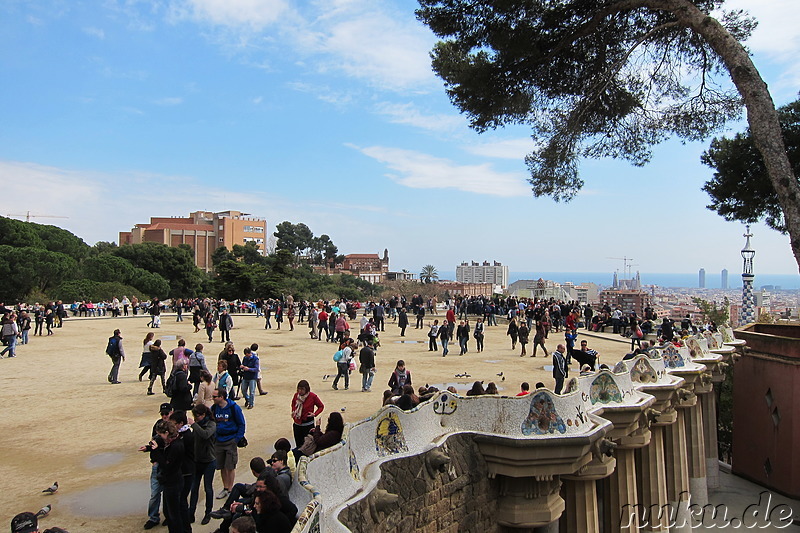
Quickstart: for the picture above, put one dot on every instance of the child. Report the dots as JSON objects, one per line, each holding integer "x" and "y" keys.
{"x": 243, "y": 524}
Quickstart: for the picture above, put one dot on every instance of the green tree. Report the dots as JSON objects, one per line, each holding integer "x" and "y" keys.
{"x": 173, "y": 264}
{"x": 102, "y": 247}
{"x": 740, "y": 188}
{"x": 428, "y": 274}
{"x": 221, "y": 254}
{"x": 249, "y": 253}
{"x": 151, "y": 283}
{"x": 296, "y": 238}
{"x": 107, "y": 267}
{"x": 27, "y": 269}
{"x": 234, "y": 280}
{"x": 60, "y": 240}
{"x": 18, "y": 234}
{"x": 718, "y": 315}
{"x": 606, "y": 79}
{"x": 322, "y": 250}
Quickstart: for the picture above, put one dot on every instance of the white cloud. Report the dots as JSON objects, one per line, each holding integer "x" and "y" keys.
{"x": 252, "y": 14}
{"x": 95, "y": 32}
{"x": 506, "y": 149}
{"x": 323, "y": 92}
{"x": 169, "y": 101}
{"x": 410, "y": 115}
{"x": 423, "y": 171}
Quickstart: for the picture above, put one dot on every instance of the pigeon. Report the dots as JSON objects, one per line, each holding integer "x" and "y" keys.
{"x": 343, "y": 409}
{"x": 500, "y": 374}
{"x": 52, "y": 488}
{"x": 325, "y": 377}
{"x": 44, "y": 511}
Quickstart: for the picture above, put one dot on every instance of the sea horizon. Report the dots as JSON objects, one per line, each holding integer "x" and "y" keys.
{"x": 663, "y": 279}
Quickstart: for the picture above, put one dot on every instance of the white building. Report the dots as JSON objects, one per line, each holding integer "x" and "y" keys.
{"x": 486, "y": 272}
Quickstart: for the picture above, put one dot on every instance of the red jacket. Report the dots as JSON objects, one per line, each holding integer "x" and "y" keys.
{"x": 309, "y": 404}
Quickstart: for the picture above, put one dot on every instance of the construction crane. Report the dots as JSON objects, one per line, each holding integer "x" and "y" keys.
{"x": 627, "y": 263}
{"x": 28, "y": 216}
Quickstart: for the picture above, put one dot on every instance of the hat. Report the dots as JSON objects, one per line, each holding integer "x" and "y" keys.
{"x": 24, "y": 523}
{"x": 165, "y": 408}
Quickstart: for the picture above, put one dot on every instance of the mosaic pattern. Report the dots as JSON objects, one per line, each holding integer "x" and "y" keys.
{"x": 355, "y": 473}
{"x": 712, "y": 342}
{"x": 572, "y": 386}
{"x": 543, "y": 418}
{"x": 642, "y": 372}
{"x": 726, "y": 334}
{"x": 621, "y": 368}
{"x": 389, "y": 438}
{"x": 694, "y": 348}
{"x": 672, "y": 357}
{"x": 445, "y": 405}
{"x": 604, "y": 390}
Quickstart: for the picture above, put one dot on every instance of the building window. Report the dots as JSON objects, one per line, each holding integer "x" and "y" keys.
{"x": 253, "y": 229}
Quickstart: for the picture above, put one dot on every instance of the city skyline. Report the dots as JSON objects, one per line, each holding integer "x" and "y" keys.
{"x": 329, "y": 114}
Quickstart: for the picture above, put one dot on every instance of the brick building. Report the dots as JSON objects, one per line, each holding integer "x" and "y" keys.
{"x": 203, "y": 231}
{"x": 627, "y": 300}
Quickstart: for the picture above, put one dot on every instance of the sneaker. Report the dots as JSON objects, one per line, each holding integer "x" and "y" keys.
{"x": 220, "y": 513}
{"x": 150, "y": 524}
{"x": 224, "y": 493}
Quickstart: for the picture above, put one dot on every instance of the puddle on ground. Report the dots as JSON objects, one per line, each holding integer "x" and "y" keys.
{"x": 276, "y": 346}
{"x": 492, "y": 361}
{"x": 101, "y": 460}
{"x": 168, "y": 337}
{"x": 123, "y": 498}
{"x": 407, "y": 342}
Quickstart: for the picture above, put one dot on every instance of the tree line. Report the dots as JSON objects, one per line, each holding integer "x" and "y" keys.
{"x": 43, "y": 262}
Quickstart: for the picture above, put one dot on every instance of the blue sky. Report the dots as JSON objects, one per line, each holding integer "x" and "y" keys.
{"x": 327, "y": 113}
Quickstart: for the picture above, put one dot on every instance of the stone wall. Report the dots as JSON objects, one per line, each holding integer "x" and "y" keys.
{"x": 453, "y": 497}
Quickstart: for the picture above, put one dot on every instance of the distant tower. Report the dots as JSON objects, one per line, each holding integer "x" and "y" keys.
{"x": 702, "y": 280}
{"x": 724, "y": 278}
{"x": 748, "y": 300}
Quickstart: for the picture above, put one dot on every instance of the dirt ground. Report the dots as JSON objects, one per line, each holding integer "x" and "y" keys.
{"x": 64, "y": 422}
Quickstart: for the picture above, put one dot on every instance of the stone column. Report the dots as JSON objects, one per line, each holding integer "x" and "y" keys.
{"x": 652, "y": 482}
{"x": 709, "y": 407}
{"x": 675, "y": 457}
{"x": 696, "y": 455}
{"x": 580, "y": 514}
{"x": 620, "y": 498}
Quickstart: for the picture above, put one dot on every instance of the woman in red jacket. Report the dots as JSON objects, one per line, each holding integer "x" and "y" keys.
{"x": 305, "y": 407}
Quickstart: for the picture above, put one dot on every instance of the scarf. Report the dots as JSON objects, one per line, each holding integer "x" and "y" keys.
{"x": 297, "y": 413}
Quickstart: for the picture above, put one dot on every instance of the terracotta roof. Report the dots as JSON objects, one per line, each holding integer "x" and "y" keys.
{"x": 361, "y": 256}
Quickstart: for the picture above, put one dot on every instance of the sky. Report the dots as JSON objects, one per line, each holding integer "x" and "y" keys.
{"x": 328, "y": 113}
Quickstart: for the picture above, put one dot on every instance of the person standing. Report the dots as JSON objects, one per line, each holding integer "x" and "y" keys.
{"x": 154, "y": 505}
{"x": 204, "y": 429}
{"x": 116, "y": 352}
{"x": 538, "y": 339}
{"x": 24, "y": 325}
{"x": 158, "y": 366}
{"x": 323, "y": 324}
{"x": 250, "y": 368}
{"x": 444, "y": 336}
{"x": 38, "y": 318}
{"x": 366, "y": 358}
{"x": 306, "y": 406}
{"x": 197, "y": 363}
{"x": 343, "y": 364}
{"x": 560, "y": 369}
{"x": 230, "y": 422}
{"x": 433, "y": 333}
{"x": 10, "y": 331}
{"x": 229, "y": 355}
{"x": 479, "y": 334}
{"x": 463, "y": 336}
{"x": 402, "y": 321}
{"x": 168, "y": 453}
{"x": 210, "y": 325}
{"x": 146, "y": 359}
{"x": 181, "y": 399}
{"x": 523, "y": 334}
{"x": 225, "y": 326}
{"x": 513, "y": 332}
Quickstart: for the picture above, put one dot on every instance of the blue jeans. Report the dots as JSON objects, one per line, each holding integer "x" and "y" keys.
{"x": 155, "y": 496}
{"x": 203, "y": 472}
{"x": 366, "y": 380}
{"x": 12, "y": 346}
{"x": 444, "y": 346}
{"x": 462, "y": 342}
{"x": 25, "y": 336}
{"x": 249, "y": 390}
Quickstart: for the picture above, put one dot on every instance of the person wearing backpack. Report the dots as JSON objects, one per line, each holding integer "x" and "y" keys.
{"x": 344, "y": 355}
{"x": 117, "y": 354}
{"x": 180, "y": 393}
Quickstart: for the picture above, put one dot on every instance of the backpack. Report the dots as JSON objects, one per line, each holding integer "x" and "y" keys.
{"x": 112, "y": 348}
{"x": 338, "y": 356}
{"x": 169, "y": 388}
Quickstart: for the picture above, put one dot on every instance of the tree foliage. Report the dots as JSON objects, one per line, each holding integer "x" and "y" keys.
{"x": 741, "y": 188}
{"x": 175, "y": 264}
{"x": 719, "y": 315}
{"x": 27, "y": 269}
{"x": 428, "y": 274}
{"x": 592, "y": 79}
{"x": 295, "y": 238}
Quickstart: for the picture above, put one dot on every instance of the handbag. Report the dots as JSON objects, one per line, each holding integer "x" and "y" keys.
{"x": 309, "y": 445}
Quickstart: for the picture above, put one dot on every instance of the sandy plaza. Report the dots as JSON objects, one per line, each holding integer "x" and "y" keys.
{"x": 70, "y": 425}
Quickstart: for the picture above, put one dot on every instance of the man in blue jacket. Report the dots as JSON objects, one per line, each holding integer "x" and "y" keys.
{"x": 230, "y": 429}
